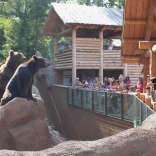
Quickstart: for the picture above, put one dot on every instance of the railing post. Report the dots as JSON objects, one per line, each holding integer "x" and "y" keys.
{"x": 92, "y": 100}
{"x": 105, "y": 103}
{"x": 121, "y": 106}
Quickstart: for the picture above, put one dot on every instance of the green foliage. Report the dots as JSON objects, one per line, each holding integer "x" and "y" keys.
{"x": 22, "y": 23}
{"x": 27, "y": 20}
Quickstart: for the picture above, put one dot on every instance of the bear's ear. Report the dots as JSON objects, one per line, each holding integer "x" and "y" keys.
{"x": 11, "y": 53}
{"x": 35, "y": 58}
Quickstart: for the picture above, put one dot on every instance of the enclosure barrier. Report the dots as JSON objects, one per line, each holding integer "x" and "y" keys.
{"x": 126, "y": 107}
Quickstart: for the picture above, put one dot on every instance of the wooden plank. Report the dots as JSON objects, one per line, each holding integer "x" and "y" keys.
{"x": 138, "y": 52}
{"x": 130, "y": 58}
{"x": 73, "y": 56}
{"x": 146, "y": 44}
{"x": 149, "y": 21}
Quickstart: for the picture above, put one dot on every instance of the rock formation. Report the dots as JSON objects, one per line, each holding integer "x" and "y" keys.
{"x": 22, "y": 126}
{"x": 132, "y": 142}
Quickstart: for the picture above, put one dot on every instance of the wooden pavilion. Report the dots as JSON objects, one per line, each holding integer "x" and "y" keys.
{"x": 139, "y": 35}
{"x": 87, "y": 26}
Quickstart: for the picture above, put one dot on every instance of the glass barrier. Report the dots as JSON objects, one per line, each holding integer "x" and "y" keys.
{"x": 129, "y": 107}
{"x": 87, "y": 99}
{"x": 70, "y": 96}
{"x": 99, "y": 102}
{"x": 114, "y": 104}
{"x": 77, "y": 97}
{"x": 123, "y": 106}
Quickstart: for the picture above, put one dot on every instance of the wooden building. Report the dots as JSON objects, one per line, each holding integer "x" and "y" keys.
{"x": 87, "y": 26}
{"x": 139, "y": 35}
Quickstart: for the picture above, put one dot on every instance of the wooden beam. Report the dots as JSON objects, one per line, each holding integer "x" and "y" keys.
{"x": 146, "y": 44}
{"x": 145, "y": 71}
{"x": 63, "y": 32}
{"x": 73, "y": 56}
{"x": 101, "y": 57}
{"x": 55, "y": 48}
{"x": 125, "y": 69}
{"x": 149, "y": 22}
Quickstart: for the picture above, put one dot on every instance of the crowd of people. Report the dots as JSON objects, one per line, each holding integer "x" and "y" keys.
{"x": 123, "y": 84}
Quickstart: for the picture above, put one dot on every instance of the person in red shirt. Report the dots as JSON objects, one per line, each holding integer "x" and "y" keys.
{"x": 140, "y": 85}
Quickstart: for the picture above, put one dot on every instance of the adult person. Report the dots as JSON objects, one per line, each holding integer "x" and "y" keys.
{"x": 121, "y": 81}
{"x": 152, "y": 83}
{"x": 128, "y": 82}
{"x": 140, "y": 85}
{"x": 77, "y": 83}
{"x": 90, "y": 81}
{"x": 110, "y": 45}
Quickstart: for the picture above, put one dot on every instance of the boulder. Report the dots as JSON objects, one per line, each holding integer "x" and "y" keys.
{"x": 150, "y": 123}
{"x": 22, "y": 126}
{"x": 132, "y": 142}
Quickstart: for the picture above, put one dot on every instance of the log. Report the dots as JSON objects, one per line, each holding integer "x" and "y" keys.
{"x": 136, "y": 22}
{"x": 147, "y": 53}
{"x": 154, "y": 48}
{"x": 101, "y": 57}
{"x": 73, "y": 56}
{"x": 146, "y": 44}
{"x": 138, "y": 52}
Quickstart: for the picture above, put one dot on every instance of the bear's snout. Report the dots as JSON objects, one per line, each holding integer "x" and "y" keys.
{"x": 47, "y": 64}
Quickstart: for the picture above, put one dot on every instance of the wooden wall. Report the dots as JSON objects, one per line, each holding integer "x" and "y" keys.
{"x": 88, "y": 53}
{"x": 112, "y": 59}
{"x": 63, "y": 60}
{"x": 59, "y": 77}
{"x": 88, "y": 57}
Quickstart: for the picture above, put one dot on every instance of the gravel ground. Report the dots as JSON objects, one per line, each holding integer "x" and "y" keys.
{"x": 56, "y": 137}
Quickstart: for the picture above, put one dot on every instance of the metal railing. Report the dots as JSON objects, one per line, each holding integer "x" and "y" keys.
{"x": 126, "y": 107}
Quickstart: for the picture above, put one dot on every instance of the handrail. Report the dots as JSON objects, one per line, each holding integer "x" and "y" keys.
{"x": 126, "y": 107}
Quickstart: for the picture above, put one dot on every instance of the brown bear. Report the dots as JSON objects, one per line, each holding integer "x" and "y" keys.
{"x": 7, "y": 70}
{"x": 20, "y": 85}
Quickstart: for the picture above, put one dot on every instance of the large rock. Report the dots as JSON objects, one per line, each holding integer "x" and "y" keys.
{"x": 132, "y": 142}
{"x": 150, "y": 122}
{"x": 22, "y": 126}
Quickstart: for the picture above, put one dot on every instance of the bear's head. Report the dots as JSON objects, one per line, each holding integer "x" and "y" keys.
{"x": 16, "y": 58}
{"x": 40, "y": 62}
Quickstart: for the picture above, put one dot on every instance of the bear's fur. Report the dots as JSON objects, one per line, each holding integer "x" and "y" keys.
{"x": 20, "y": 85}
{"x": 7, "y": 70}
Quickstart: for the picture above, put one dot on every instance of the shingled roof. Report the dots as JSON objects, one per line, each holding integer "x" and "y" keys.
{"x": 80, "y": 14}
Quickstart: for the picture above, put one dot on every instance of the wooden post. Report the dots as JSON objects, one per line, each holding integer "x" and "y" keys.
{"x": 153, "y": 64}
{"x": 125, "y": 70}
{"x": 73, "y": 56}
{"x": 101, "y": 57}
{"x": 145, "y": 71}
{"x": 55, "y": 47}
